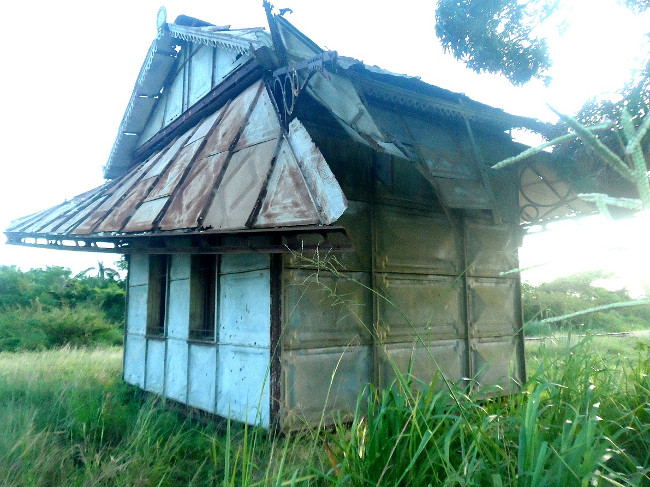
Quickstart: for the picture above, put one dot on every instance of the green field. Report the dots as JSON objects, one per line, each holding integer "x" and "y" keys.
{"x": 583, "y": 419}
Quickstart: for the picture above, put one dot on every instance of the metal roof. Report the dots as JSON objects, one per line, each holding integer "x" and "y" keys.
{"x": 155, "y": 70}
{"x": 234, "y": 170}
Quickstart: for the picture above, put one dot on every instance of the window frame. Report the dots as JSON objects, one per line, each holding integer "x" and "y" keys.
{"x": 157, "y": 293}
{"x": 203, "y": 297}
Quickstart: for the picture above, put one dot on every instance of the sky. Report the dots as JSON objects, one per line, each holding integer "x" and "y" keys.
{"x": 70, "y": 67}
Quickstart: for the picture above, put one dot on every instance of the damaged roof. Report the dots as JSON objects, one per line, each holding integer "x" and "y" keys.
{"x": 221, "y": 150}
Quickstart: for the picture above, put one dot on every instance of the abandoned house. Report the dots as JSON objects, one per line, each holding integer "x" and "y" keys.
{"x": 297, "y": 223}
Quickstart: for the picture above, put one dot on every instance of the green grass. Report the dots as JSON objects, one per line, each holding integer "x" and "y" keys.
{"x": 582, "y": 419}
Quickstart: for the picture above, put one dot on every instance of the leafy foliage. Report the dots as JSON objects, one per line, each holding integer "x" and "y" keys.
{"x": 496, "y": 36}
{"x": 45, "y": 308}
{"x": 575, "y": 293}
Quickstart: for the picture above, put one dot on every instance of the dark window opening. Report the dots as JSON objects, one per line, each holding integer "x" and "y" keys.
{"x": 157, "y": 295}
{"x": 203, "y": 293}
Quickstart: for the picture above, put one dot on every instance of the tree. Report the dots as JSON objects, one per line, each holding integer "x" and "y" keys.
{"x": 496, "y": 36}
{"x": 501, "y": 36}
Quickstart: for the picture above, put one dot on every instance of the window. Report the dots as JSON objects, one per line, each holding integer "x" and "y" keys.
{"x": 157, "y": 295}
{"x": 203, "y": 290}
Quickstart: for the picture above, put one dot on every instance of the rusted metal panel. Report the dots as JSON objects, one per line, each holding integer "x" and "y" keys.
{"x": 491, "y": 249}
{"x": 113, "y": 221}
{"x": 495, "y": 364}
{"x": 400, "y": 183}
{"x": 492, "y": 306}
{"x": 82, "y": 214}
{"x": 411, "y": 241}
{"x": 262, "y": 124}
{"x": 223, "y": 135}
{"x": 323, "y": 380}
{"x": 323, "y": 186}
{"x": 128, "y": 181}
{"x": 56, "y": 217}
{"x": 194, "y": 194}
{"x": 142, "y": 219}
{"x": 420, "y": 307}
{"x": 427, "y": 362}
{"x": 206, "y": 125}
{"x": 170, "y": 179}
{"x": 240, "y": 188}
{"x": 86, "y": 227}
{"x": 326, "y": 310}
{"x": 169, "y": 155}
{"x": 287, "y": 197}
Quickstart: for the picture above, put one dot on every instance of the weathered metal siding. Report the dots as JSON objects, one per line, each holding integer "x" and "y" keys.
{"x": 244, "y": 347}
{"x": 440, "y": 305}
{"x": 136, "y": 321}
{"x": 228, "y": 376}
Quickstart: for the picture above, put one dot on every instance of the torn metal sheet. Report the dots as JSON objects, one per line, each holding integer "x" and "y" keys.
{"x": 287, "y": 197}
{"x": 325, "y": 190}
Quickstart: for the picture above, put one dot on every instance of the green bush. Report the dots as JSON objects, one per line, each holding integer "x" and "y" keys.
{"x": 575, "y": 293}
{"x": 45, "y": 308}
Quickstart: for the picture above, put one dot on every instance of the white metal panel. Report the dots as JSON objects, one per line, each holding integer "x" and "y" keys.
{"x": 232, "y": 263}
{"x": 176, "y": 363}
{"x": 138, "y": 270}
{"x": 134, "y": 356}
{"x": 155, "y": 369}
{"x": 178, "y": 309}
{"x": 200, "y": 73}
{"x": 180, "y": 268}
{"x": 243, "y": 384}
{"x": 136, "y": 317}
{"x": 174, "y": 99}
{"x": 224, "y": 63}
{"x": 155, "y": 122}
{"x": 245, "y": 308}
{"x": 202, "y": 376}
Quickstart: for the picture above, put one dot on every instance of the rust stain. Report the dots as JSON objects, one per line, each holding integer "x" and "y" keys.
{"x": 236, "y": 196}
{"x": 186, "y": 205}
{"x": 287, "y": 200}
{"x": 143, "y": 218}
{"x": 116, "y": 218}
{"x": 174, "y": 172}
{"x": 223, "y": 134}
{"x": 262, "y": 124}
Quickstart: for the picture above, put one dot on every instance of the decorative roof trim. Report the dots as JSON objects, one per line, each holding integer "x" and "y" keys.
{"x": 222, "y": 38}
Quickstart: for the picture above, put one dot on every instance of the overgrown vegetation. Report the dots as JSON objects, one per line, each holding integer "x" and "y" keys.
{"x": 567, "y": 295}
{"x": 582, "y": 419}
{"x": 46, "y": 308}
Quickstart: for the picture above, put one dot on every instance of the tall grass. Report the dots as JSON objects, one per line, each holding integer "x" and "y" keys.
{"x": 583, "y": 418}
